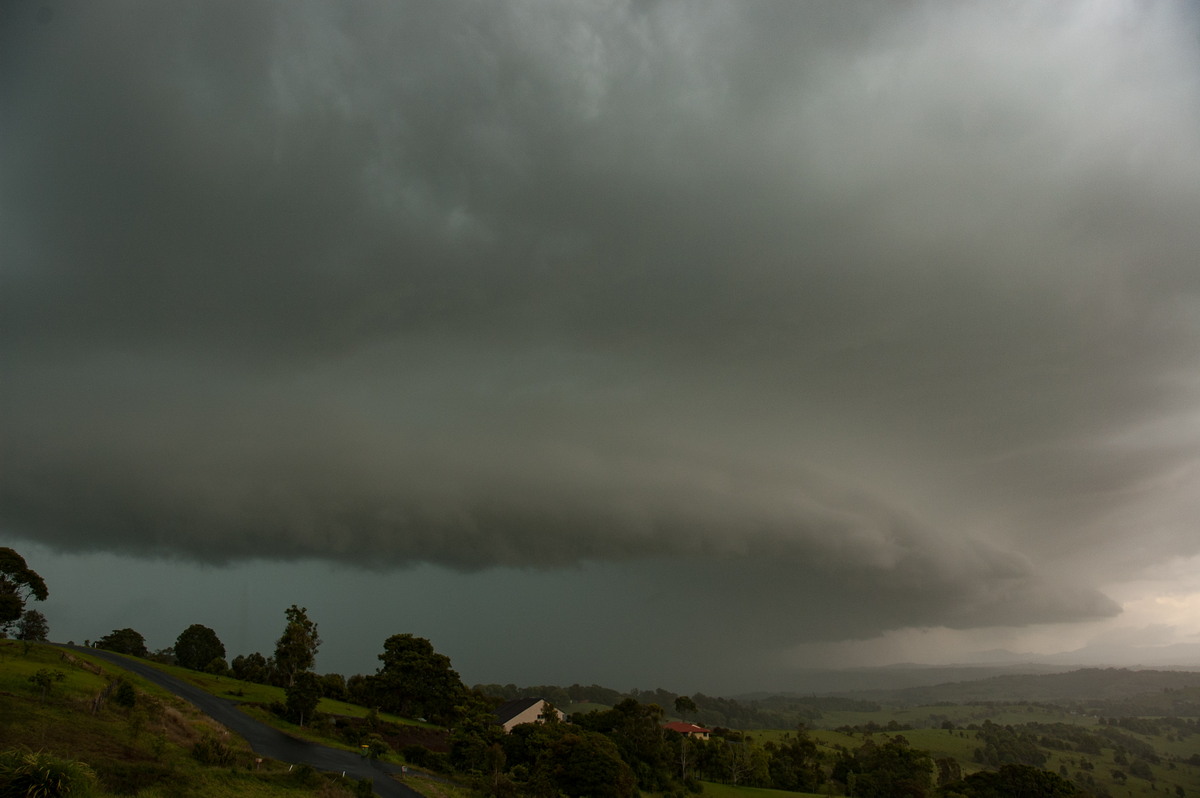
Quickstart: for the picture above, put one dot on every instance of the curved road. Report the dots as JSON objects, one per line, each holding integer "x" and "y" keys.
{"x": 266, "y": 741}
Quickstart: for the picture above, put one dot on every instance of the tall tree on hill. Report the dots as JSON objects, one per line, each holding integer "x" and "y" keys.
{"x": 415, "y": 680}
{"x": 197, "y": 646}
{"x": 296, "y": 649}
{"x": 18, "y": 584}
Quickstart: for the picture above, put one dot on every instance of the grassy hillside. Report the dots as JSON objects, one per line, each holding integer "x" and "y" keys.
{"x": 138, "y": 739}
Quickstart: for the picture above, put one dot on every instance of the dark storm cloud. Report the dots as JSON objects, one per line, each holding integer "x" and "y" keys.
{"x": 890, "y": 307}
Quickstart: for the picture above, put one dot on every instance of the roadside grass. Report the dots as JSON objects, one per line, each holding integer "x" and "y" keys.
{"x": 729, "y": 791}
{"x": 145, "y": 749}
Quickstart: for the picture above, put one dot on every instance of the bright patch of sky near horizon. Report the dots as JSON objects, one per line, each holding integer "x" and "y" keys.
{"x": 608, "y": 341}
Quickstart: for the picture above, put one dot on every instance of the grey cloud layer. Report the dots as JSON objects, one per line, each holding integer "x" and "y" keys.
{"x": 883, "y": 301}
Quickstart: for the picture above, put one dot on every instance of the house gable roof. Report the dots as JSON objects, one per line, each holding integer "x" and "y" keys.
{"x": 510, "y": 709}
{"x": 686, "y": 728}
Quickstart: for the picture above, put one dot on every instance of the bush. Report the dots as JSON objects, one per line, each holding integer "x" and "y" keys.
{"x": 211, "y": 751}
{"x": 124, "y": 695}
{"x": 417, "y": 755}
{"x": 306, "y": 775}
{"x": 24, "y": 773}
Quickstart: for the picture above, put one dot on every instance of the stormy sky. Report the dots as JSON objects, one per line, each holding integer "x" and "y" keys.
{"x": 642, "y": 343}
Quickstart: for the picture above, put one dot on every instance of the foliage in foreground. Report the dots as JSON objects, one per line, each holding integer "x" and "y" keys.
{"x": 40, "y": 775}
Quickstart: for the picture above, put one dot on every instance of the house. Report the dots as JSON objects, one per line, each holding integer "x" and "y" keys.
{"x": 688, "y": 729}
{"x": 524, "y": 710}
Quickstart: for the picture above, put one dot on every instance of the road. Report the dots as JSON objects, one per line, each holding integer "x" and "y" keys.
{"x": 266, "y": 741}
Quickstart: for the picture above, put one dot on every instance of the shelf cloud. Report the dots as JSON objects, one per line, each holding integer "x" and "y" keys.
{"x": 865, "y": 316}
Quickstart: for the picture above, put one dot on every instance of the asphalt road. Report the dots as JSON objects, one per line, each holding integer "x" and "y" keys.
{"x": 267, "y": 742}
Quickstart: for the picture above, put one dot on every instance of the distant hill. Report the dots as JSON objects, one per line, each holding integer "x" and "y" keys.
{"x": 898, "y": 677}
{"x": 1082, "y": 685}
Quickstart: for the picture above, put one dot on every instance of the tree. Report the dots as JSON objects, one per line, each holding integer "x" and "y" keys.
{"x": 796, "y": 763}
{"x": 217, "y": 666}
{"x": 637, "y": 731}
{"x": 886, "y": 770}
{"x": 252, "y": 668}
{"x": 124, "y": 641}
{"x": 33, "y": 626}
{"x": 333, "y": 685}
{"x": 415, "y": 680}
{"x": 296, "y": 649}
{"x": 586, "y": 763}
{"x": 197, "y": 646}
{"x": 685, "y": 706}
{"x": 18, "y": 584}
{"x": 302, "y": 697}
{"x": 44, "y": 678}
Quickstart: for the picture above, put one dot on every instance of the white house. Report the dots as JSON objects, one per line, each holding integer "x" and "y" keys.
{"x": 524, "y": 710}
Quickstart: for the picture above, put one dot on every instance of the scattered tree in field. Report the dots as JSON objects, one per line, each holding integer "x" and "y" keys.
{"x": 124, "y": 641}
{"x": 44, "y": 679}
{"x": 33, "y": 626}
{"x": 296, "y": 649}
{"x": 18, "y": 584}
{"x": 415, "y": 680}
{"x": 197, "y": 646}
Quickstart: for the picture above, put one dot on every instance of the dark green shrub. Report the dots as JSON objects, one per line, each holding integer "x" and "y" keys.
{"x": 125, "y": 695}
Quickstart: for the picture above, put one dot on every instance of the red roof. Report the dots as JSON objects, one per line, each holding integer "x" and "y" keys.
{"x": 686, "y": 728}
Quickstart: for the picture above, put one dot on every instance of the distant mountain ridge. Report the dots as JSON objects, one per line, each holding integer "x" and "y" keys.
{"x": 985, "y": 684}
